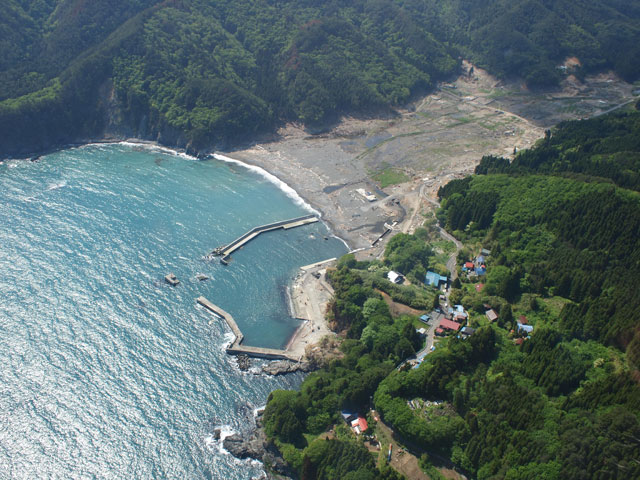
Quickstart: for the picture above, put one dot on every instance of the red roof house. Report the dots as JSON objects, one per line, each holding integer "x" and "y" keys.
{"x": 469, "y": 265}
{"x": 523, "y": 320}
{"x": 359, "y": 425}
{"x": 449, "y": 325}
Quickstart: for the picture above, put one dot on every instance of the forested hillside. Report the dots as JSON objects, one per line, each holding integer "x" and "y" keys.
{"x": 550, "y": 388}
{"x": 201, "y": 72}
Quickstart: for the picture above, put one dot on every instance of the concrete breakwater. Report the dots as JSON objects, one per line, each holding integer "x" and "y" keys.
{"x": 236, "y": 347}
{"x": 225, "y": 251}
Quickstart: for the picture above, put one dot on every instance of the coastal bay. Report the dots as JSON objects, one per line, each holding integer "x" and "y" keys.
{"x": 109, "y": 370}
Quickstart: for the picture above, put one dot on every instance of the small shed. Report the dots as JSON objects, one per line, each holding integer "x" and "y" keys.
{"x": 485, "y": 252}
{"x": 468, "y": 331}
{"x": 421, "y": 331}
{"x": 395, "y": 277}
{"x": 348, "y": 416}
{"x": 439, "y": 331}
{"x": 491, "y": 315}
{"x": 425, "y": 318}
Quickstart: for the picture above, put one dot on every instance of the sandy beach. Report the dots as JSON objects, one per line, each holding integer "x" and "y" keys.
{"x": 310, "y": 296}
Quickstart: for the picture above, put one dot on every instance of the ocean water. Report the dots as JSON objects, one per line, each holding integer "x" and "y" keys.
{"x": 105, "y": 370}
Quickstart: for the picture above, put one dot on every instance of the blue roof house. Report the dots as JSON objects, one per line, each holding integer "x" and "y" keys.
{"x": 434, "y": 279}
{"x": 525, "y": 328}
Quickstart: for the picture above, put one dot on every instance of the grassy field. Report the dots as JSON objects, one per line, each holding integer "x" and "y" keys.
{"x": 390, "y": 176}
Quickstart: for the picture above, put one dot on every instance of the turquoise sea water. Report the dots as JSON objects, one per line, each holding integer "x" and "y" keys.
{"x": 106, "y": 371}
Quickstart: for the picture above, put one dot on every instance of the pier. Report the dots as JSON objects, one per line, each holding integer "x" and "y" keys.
{"x": 236, "y": 347}
{"x": 225, "y": 251}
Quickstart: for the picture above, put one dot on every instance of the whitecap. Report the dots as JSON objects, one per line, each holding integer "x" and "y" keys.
{"x": 228, "y": 338}
{"x": 218, "y": 445}
{"x": 288, "y": 190}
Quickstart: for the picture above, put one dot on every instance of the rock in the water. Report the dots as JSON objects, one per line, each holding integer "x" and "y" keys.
{"x": 281, "y": 367}
{"x": 244, "y": 362}
{"x": 216, "y": 434}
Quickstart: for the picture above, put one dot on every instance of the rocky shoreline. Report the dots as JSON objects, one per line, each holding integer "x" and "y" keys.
{"x": 257, "y": 447}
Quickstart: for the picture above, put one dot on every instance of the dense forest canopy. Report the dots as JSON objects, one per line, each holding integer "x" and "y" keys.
{"x": 559, "y": 402}
{"x": 205, "y": 71}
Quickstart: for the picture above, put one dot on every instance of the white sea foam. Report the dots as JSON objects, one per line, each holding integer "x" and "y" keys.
{"x": 217, "y": 445}
{"x": 288, "y": 191}
{"x": 228, "y": 338}
{"x": 55, "y": 186}
{"x": 225, "y": 431}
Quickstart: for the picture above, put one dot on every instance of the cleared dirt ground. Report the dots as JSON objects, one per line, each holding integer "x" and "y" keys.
{"x": 439, "y": 137}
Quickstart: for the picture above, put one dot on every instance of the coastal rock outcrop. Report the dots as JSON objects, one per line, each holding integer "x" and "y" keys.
{"x": 237, "y": 446}
{"x": 281, "y": 367}
{"x": 257, "y": 447}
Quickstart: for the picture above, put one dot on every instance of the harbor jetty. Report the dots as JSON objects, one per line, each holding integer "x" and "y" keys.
{"x": 225, "y": 251}
{"x": 236, "y": 347}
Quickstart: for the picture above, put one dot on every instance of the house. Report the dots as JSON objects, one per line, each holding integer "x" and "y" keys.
{"x": 484, "y": 252}
{"x": 523, "y": 320}
{"x": 525, "y": 328}
{"x": 434, "y": 279}
{"x": 421, "y": 331}
{"x": 395, "y": 277}
{"x": 359, "y": 425}
{"x": 481, "y": 270}
{"x": 449, "y": 325}
{"x": 467, "y": 331}
{"x": 439, "y": 331}
{"x": 468, "y": 266}
{"x": 460, "y": 317}
{"x": 460, "y": 311}
{"x": 480, "y": 260}
{"x": 491, "y": 315}
{"x": 425, "y": 318}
